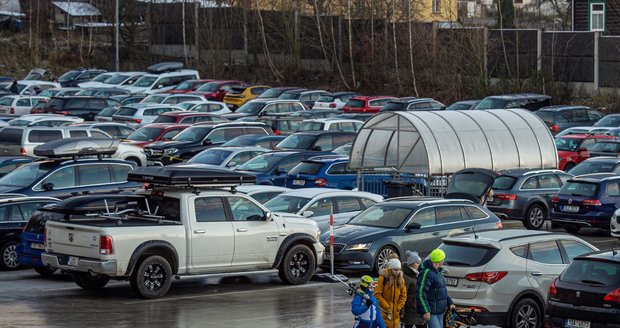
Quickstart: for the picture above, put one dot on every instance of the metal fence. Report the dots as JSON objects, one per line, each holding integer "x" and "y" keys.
{"x": 397, "y": 184}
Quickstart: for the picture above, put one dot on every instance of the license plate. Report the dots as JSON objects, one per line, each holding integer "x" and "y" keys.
{"x": 299, "y": 182}
{"x": 73, "y": 261}
{"x": 37, "y": 246}
{"x": 572, "y": 323}
{"x": 570, "y": 208}
{"x": 452, "y": 282}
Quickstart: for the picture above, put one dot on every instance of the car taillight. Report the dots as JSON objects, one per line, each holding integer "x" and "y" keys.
{"x": 488, "y": 277}
{"x": 555, "y": 128}
{"x": 614, "y": 296}
{"x": 592, "y": 202}
{"x": 277, "y": 132}
{"x": 506, "y": 196}
{"x": 64, "y": 113}
{"x": 553, "y": 292}
{"x": 555, "y": 199}
{"x": 22, "y": 152}
{"x": 332, "y": 105}
{"x": 137, "y": 120}
{"x": 12, "y": 110}
{"x": 105, "y": 245}
{"x": 320, "y": 182}
{"x": 499, "y": 225}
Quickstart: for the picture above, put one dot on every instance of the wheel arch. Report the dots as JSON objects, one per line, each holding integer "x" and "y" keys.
{"x": 154, "y": 247}
{"x": 292, "y": 240}
{"x": 528, "y": 293}
{"x": 536, "y": 201}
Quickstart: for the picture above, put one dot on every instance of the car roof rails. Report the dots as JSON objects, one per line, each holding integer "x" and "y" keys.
{"x": 77, "y": 147}
{"x": 190, "y": 177}
{"x": 165, "y": 67}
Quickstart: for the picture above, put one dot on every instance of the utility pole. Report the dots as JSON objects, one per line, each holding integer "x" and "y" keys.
{"x": 116, "y": 36}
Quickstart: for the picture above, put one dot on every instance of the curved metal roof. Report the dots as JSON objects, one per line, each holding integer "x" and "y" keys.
{"x": 443, "y": 142}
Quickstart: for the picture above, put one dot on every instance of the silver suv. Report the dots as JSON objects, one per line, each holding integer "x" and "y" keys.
{"x": 504, "y": 275}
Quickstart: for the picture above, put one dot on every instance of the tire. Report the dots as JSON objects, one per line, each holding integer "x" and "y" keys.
{"x": 89, "y": 281}
{"x": 526, "y": 314}
{"x": 135, "y": 160}
{"x": 535, "y": 217}
{"x": 572, "y": 229}
{"x": 383, "y": 256}
{"x": 45, "y": 271}
{"x": 298, "y": 265}
{"x": 568, "y": 167}
{"x": 152, "y": 277}
{"x": 9, "y": 256}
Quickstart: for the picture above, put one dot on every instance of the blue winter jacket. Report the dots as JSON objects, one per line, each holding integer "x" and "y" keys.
{"x": 432, "y": 295}
{"x": 366, "y": 316}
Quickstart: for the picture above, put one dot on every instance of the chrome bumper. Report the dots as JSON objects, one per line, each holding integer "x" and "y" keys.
{"x": 84, "y": 265}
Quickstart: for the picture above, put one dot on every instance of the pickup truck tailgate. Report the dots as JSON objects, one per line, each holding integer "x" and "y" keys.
{"x": 75, "y": 240}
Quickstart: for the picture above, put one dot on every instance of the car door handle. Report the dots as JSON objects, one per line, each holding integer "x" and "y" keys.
{"x": 436, "y": 233}
{"x": 536, "y": 274}
{"x": 199, "y": 231}
{"x": 242, "y": 230}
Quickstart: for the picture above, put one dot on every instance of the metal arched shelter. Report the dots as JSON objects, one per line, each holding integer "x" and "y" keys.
{"x": 443, "y": 142}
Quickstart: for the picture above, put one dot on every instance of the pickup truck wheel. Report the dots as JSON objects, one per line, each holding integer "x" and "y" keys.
{"x": 89, "y": 281}
{"x": 298, "y": 265}
{"x": 45, "y": 271}
{"x": 152, "y": 277}
{"x": 9, "y": 256}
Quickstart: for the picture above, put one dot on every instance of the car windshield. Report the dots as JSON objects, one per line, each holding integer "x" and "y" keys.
{"x": 546, "y": 115}
{"x": 185, "y": 86}
{"x": 87, "y": 92}
{"x": 193, "y": 134}
{"x": 251, "y": 108}
{"x": 145, "y": 81}
{"x": 326, "y": 98}
{"x": 504, "y": 182}
{"x": 592, "y": 167}
{"x": 311, "y": 126}
{"x": 297, "y": 141}
{"x": 310, "y": 168}
{"x": 145, "y": 134}
{"x": 394, "y": 106}
{"x": 19, "y": 122}
{"x": 286, "y": 204}
{"x": 68, "y": 76}
{"x": 574, "y": 188}
{"x": 154, "y": 99}
{"x": 492, "y": 103}
{"x": 261, "y": 163}
{"x": 609, "y": 120}
{"x": 49, "y": 93}
{"x": 289, "y": 96}
{"x": 186, "y": 105}
{"x": 459, "y": 106}
{"x": 165, "y": 119}
{"x": 568, "y": 144}
{"x": 26, "y": 175}
{"x": 382, "y": 216}
{"x": 592, "y": 272}
{"x": 102, "y": 77}
{"x": 240, "y": 142}
{"x": 108, "y": 112}
{"x": 117, "y": 79}
{"x": 211, "y": 156}
{"x": 21, "y": 87}
{"x": 210, "y": 87}
{"x": 343, "y": 150}
{"x": 271, "y": 93}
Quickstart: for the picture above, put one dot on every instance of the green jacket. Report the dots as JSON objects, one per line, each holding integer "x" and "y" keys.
{"x": 410, "y": 315}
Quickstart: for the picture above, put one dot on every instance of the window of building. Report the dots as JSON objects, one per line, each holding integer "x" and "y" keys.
{"x": 436, "y": 6}
{"x": 597, "y": 17}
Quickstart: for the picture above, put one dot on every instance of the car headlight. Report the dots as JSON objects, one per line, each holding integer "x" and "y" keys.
{"x": 358, "y": 247}
{"x": 170, "y": 151}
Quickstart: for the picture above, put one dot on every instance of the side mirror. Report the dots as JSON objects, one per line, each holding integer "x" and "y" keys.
{"x": 317, "y": 148}
{"x": 307, "y": 214}
{"x": 231, "y": 164}
{"x": 413, "y": 226}
{"x": 268, "y": 216}
{"x": 160, "y": 86}
{"x": 48, "y": 186}
{"x": 207, "y": 142}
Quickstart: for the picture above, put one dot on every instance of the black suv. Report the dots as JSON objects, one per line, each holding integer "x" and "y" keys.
{"x": 587, "y": 293}
{"x": 199, "y": 137}
{"x": 80, "y": 106}
{"x": 560, "y": 117}
{"x": 14, "y": 214}
{"x": 72, "y": 78}
{"x": 529, "y": 101}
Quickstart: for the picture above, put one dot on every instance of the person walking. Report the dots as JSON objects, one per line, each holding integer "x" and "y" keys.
{"x": 365, "y": 307}
{"x": 411, "y": 317}
{"x": 432, "y": 296}
{"x": 391, "y": 293}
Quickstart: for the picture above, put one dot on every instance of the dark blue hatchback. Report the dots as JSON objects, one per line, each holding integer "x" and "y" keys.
{"x": 272, "y": 168}
{"x": 587, "y": 201}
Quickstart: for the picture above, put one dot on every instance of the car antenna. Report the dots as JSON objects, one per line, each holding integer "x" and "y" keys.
{"x": 473, "y": 228}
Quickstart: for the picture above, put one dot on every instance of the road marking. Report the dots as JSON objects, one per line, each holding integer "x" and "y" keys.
{"x": 229, "y": 293}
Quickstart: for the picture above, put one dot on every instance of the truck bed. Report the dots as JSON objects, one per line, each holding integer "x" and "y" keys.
{"x": 108, "y": 223}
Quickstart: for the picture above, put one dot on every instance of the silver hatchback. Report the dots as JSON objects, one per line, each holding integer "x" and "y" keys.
{"x": 504, "y": 275}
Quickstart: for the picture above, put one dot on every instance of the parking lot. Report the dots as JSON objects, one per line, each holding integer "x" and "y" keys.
{"x": 28, "y": 300}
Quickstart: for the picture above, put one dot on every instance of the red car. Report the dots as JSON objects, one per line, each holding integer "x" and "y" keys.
{"x": 188, "y": 118}
{"x": 154, "y": 132}
{"x": 575, "y": 148}
{"x": 188, "y": 86}
{"x": 366, "y": 104}
{"x": 216, "y": 90}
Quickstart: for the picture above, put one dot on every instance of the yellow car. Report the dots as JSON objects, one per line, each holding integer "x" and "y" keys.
{"x": 238, "y": 96}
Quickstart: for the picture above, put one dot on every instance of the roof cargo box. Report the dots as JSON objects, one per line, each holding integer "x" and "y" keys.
{"x": 189, "y": 177}
{"x": 77, "y": 147}
{"x": 165, "y": 67}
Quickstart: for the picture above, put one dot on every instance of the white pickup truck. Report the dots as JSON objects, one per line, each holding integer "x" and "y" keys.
{"x": 181, "y": 232}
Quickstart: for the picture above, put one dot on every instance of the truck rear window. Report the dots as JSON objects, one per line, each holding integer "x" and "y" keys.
{"x": 168, "y": 207}
{"x": 463, "y": 255}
